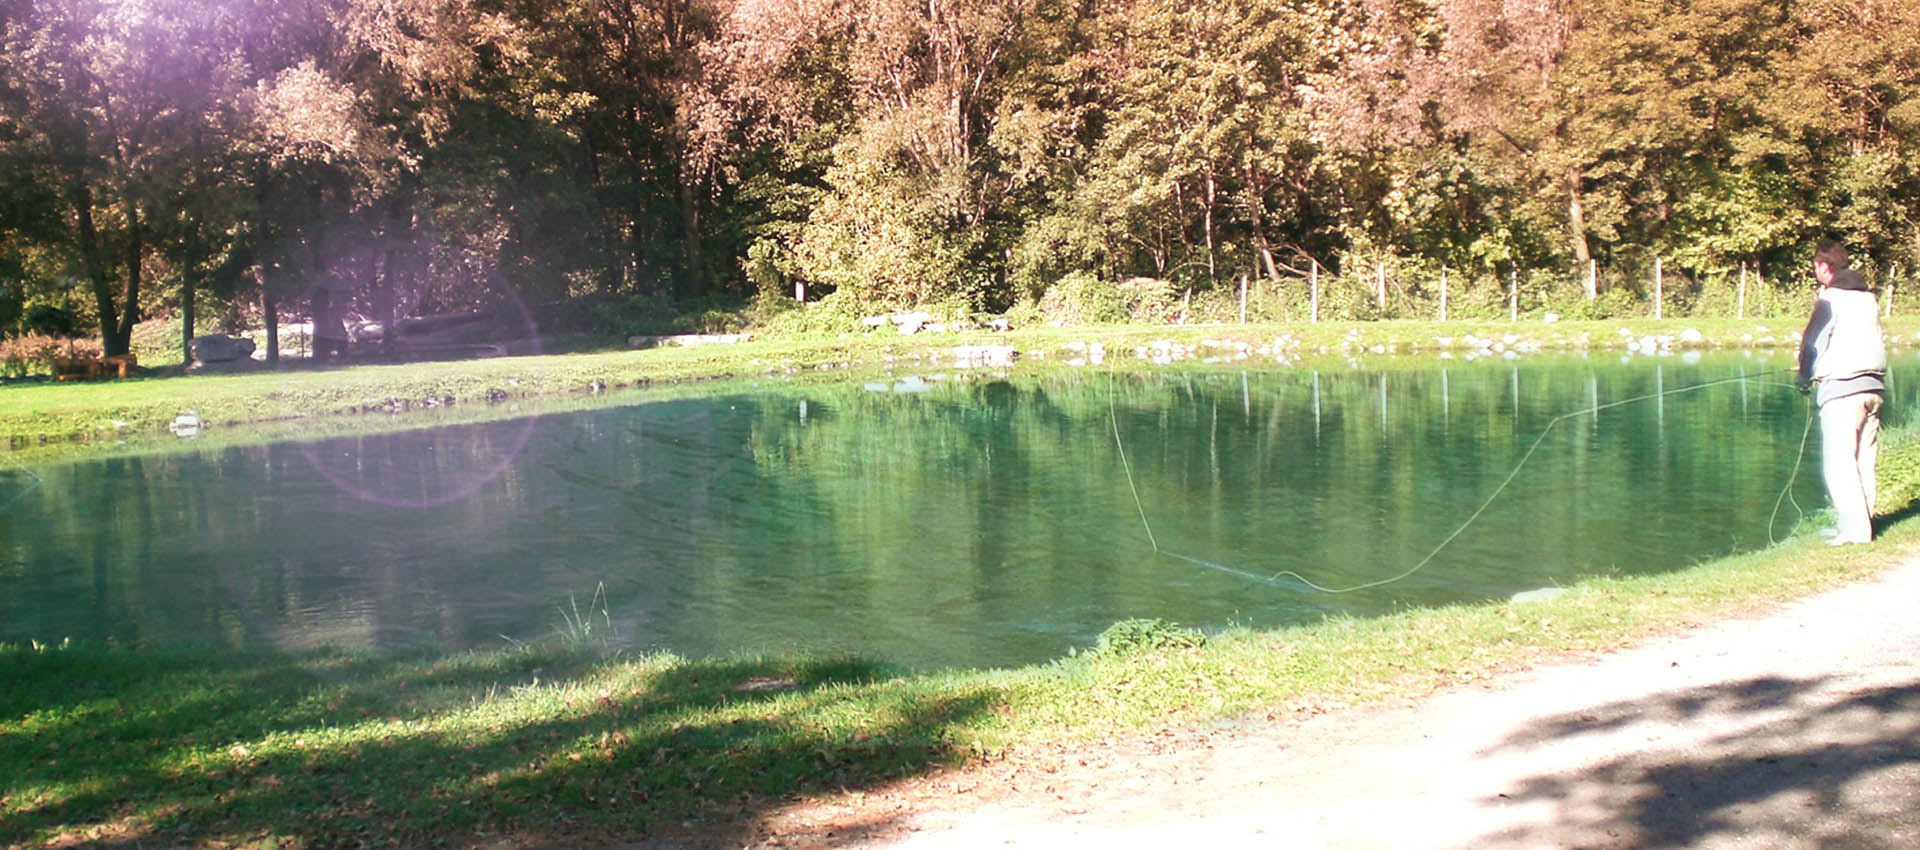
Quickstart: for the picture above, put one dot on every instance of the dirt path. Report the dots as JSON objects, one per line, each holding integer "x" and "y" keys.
{"x": 1798, "y": 729}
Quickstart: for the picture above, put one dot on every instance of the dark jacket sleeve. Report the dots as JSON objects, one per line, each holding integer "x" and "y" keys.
{"x": 1816, "y": 325}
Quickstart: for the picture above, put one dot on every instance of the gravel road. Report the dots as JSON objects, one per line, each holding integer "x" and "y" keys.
{"x": 1799, "y": 729}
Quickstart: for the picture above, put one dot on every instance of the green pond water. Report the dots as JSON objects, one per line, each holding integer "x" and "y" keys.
{"x": 940, "y": 520}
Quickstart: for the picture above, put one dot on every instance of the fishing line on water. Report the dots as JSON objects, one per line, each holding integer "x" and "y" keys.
{"x": 4, "y": 506}
{"x": 1274, "y": 578}
{"x": 1786, "y": 492}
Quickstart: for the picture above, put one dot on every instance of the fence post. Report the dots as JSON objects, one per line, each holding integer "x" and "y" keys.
{"x": 1380, "y": 286}
{"x": 1513, "y": 294}
{"x": 1593, "y": 280}
{"x": 1893, "y": 275}
{"x": 1656, "y": 288}
{"x": 1313, "y": 289}
{"x": 1243, "y": 299}
{"x": 1740, "y": 311}
{"x": 1443, "y": 293}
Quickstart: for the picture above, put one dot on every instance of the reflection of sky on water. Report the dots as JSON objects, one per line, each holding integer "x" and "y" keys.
{"x": 969, "y": 522}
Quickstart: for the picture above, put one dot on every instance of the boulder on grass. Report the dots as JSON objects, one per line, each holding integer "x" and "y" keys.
{"x": 220, "y": 348}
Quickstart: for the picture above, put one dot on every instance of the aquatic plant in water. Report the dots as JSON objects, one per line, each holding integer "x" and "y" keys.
{"x": 578, "y": 628}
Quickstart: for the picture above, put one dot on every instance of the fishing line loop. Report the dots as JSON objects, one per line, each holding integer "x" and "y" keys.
{"x": 1786, "y": 492}
{"x": 1274, "y": 578}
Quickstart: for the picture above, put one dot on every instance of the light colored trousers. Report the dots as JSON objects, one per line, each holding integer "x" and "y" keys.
{"x": 1849, "y": 445}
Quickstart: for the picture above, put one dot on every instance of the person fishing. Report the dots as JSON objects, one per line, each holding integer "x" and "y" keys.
{"x": 1843, "y": 363}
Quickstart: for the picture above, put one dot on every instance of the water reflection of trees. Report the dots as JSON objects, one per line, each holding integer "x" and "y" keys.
{"x": 1344, "y": 475}
{"x": 981, "y": 519}
{"x": 243, "y": 546}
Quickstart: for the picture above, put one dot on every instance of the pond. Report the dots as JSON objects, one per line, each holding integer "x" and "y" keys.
{"x": 960, "y": 520}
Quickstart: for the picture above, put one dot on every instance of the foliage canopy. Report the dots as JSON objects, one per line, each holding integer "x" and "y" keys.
{"x": 397, "y": 157}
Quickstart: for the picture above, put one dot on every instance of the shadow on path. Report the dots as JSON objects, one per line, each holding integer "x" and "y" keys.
{"x": 1765, "y": 762}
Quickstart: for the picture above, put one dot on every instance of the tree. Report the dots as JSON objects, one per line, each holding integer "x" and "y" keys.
{"x": 114, "y": 97}
{"x": 1206, "y": 144}
{"x": 905, "y": 93}
{"x": 1845, "y": 99}
{"x": 352, "y": 101}
{"x": 603, "y": 87}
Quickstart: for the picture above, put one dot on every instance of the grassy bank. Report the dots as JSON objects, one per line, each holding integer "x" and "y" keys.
{"x": 103, "y": 746}
{"x": 40, "y": 413}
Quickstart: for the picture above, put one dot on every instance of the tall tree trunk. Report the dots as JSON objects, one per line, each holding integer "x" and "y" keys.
{"x": 1576, "y": 218}
{"x": 320, "y": 314}
{"x": 92, "y": 255}
{"x": 637, "y": 211}
{"x": 272, "y": 316}
{"x": 1182, "y": 231}
{"x": 1212, "y": 276}
{"x": 607, "y": 234}
{"x": 1256, "y": 216}
{"x": 690, "y": 215}
{"x": 389, "y": 305}
{"x": 189, "y": 262}
{"x": 122, "y": 341}
{"x": 186, "y": 318}
{"x": 1266, "y": 254}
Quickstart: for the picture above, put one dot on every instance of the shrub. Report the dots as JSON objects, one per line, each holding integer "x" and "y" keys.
{"x": 1150, "y": 299}
{"x": 1610, "y": 304}
{"x": 50, "y": 320}
{"x": 762, "y": 268}
{"x": 767, "y": 309}
{"x": 157, "y": 340}
{"x": 711, "y": 315}
{"x": 1082, "y": 299}
{"x": 32, "y": 354}
{"x": 1267, "y": 301}
{"x": 1140, "y": 634}
{"x": 625, "y": 314}
{"x": 1898, "y": 469}
{"x": 839, "y": 312}
{"x": 1026, "y": 314}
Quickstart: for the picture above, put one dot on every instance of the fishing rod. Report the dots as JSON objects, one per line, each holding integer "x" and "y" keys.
{"x": 1595, "y": 409}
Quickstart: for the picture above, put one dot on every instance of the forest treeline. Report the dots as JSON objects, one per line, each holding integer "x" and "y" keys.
{"x": 633, "y": 157}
